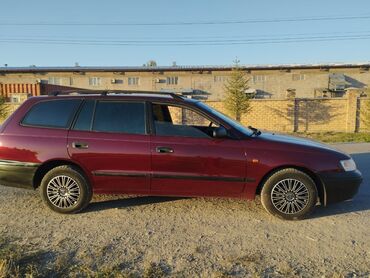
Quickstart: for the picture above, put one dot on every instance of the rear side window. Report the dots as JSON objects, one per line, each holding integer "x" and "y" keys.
{"x": 53, "y": 113}
{"x": 84, "y": 118}
{"x": 122, "y": 117}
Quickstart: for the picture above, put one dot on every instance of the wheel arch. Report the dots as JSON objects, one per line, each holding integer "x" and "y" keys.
{"x": 50, "y": 164}
{"x": 319, "y": 185}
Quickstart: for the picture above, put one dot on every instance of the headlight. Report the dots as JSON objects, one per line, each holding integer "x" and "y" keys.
{"x": 348, "y": 165}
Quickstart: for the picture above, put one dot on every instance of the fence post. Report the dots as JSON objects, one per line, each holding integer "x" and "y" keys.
{"x": 352, "y": 108}
{"x": 296, "y": 115}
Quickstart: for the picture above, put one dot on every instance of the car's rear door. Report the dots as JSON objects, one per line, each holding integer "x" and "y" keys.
{"x": 188, "y": 161}
{"x": 109, "y": 139}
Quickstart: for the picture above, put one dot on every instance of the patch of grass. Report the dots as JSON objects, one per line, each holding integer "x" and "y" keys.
{"x": 84, "y": 271}
{"x": 249, "y": 258}
{"x": 285, "y": 270}
{"x": 4, "y": 268}
{"x": 201, "y": 249}
{"x": 337, "y": 137}
{"x": 154, "y": 270}
{"x": 17, "y": 261}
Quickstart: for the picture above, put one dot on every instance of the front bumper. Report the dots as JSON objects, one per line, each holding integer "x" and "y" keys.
{"x": 340, "y": 186}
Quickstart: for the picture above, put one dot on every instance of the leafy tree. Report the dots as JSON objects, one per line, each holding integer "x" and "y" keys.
{"x": 3, "y": 108}
{"x": 237, "y": 102}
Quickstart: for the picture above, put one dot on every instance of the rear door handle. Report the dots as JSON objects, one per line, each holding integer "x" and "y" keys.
{"x": 80, "y": 145}
{"x": 164, "y": 150}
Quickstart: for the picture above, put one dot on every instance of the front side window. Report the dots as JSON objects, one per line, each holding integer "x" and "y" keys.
{"x": 235, "y": 124}
{"x": 179, "y": 121}
{"x": 53, "y": 113}
{"x": 119, "y": 117}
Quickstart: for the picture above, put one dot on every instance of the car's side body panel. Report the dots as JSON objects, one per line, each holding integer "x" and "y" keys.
{"x": 116, "y": 163}
{"x": 198, "y": 167}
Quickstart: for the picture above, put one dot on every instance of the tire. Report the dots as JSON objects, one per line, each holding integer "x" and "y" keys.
{"x": 64, "y": 189}
{"x": 289, "y": 194}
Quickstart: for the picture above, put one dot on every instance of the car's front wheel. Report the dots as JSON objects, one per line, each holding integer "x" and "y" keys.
{"x": 289, "y": 194}
{"x": 64, "y": 189}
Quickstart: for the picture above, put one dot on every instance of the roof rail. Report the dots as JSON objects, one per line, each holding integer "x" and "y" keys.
{"x": 113, "y": 92}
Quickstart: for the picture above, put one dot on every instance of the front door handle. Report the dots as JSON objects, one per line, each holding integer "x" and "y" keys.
{"x": 80, "y": 145}
{"x": 163, "y": 150}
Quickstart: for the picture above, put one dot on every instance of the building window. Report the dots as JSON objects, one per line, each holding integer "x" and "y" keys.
{"x": 220, "y": 79}
{"x": 55, "y": 80}
{"x": 259, "y": 78}
{"x": 133, "y": 81}
{"x": 15, "y": 99}
{"x": 94, "y": 81}
{"x": 298, "y": 77}
{"x": 172, "y": 80}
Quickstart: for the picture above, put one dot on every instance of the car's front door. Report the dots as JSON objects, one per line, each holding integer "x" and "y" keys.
{"x": 188, "y": 161}
{"x": 110, "y": 141}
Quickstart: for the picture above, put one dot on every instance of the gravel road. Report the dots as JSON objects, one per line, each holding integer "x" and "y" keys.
{"x": 197, "y": 237}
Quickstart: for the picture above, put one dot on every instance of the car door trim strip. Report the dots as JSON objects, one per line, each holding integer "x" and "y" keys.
{"x": 168, "y": 176}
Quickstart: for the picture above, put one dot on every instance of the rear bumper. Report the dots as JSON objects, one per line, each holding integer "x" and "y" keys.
{"x": 340, "y": 186}
{"x": 17, "y": 174}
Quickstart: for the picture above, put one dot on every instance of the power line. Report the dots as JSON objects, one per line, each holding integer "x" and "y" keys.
{"x": 215, "y": 42}
{"x": 181, "y": 23}
{"x": 105, "y": 38}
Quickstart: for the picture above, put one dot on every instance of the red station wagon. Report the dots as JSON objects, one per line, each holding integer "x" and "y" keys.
{"x": 73, "y": 145}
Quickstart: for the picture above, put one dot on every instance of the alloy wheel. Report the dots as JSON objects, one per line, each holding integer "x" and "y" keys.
{"x": 63, "y": 191}
{"x": 290, "y": 196}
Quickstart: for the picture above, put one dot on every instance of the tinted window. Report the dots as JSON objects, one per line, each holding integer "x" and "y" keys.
{"x": 124, "y": 117}
{"x": 54, "y": 113}
{"x": 84, "y": 118}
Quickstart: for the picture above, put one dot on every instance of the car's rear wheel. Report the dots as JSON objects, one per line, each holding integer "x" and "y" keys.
{"x": 289, "y": 194}
{"x": 64, "y": 189}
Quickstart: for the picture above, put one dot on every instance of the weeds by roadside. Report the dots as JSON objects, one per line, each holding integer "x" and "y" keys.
{"x": 18, "y": 261}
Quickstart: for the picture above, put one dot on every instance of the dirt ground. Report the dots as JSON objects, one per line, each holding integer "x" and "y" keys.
{"x": 196, "y": 237}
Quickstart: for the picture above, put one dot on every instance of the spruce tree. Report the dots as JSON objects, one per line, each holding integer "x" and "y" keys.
{"x": 237, "y": 102}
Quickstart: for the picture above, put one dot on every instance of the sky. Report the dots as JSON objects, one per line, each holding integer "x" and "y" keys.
{"x": 192, "y": 32}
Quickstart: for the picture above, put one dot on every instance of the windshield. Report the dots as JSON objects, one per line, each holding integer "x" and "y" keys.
{"x": 235, "y": 124}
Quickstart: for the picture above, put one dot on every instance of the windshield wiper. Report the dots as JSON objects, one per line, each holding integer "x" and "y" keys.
{"x": 255, "y": 131}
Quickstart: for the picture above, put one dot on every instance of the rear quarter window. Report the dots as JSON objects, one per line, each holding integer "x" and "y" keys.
{"x": 52, "y": 113}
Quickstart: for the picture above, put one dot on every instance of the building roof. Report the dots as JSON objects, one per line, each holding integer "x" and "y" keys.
{"x": 178, "y": 68}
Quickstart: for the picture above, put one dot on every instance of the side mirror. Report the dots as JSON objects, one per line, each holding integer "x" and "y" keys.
{"x": 220, "y": 132}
